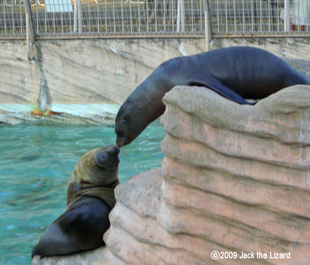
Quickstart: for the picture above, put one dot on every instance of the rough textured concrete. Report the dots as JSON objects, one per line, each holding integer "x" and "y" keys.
{"x": 83, "y": 71}
{"x": 289, "y": 47}
{"x": 79, "y": 72}
{"x": 104, "y": 71}
{"x": 234, "y": 178}
{"x": 100, "y": 256}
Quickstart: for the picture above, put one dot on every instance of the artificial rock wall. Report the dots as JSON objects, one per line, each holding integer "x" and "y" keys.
{"x": 234, "y": 178}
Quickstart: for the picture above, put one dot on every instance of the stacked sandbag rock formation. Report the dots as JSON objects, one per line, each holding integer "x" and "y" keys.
{"x": 235, "y": 178}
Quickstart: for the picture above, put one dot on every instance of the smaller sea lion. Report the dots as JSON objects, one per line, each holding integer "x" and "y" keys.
{"x": 90, "y": 198}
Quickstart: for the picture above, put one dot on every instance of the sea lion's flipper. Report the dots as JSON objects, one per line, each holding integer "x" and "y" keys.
{"x": 217, "y": 86}
{"x": 80, "y": 228}
{"x": 54, "y": 242}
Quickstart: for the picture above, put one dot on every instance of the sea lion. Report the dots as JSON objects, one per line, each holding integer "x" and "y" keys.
{"x": 90, "y": 198}
{"x": 235, "y": 73}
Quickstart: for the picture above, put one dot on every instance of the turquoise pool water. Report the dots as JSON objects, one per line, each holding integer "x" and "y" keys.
{"x": 36, "y": 162}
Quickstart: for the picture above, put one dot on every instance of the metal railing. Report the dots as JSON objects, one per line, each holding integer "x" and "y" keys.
{"x": 63, "y": 17}
{"x": 260, "y": 16}
{"x": 136, "y": 17}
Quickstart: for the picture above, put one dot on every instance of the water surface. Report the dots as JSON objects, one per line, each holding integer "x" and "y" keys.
{"x": 36, "y": 162}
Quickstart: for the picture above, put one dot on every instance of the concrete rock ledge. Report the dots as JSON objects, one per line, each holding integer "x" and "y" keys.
{"x": 234, "y": 178}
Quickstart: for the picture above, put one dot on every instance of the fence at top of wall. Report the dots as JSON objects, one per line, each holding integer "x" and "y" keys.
{"x": 159, "y": 17}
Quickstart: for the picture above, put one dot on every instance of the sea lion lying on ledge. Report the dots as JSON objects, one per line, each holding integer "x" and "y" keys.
{"x": 235, "y": 73}
{"x": 90, "y": 198}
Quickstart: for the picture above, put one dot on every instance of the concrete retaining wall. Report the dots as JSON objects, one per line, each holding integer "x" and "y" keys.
{"x": 100, "y": 71}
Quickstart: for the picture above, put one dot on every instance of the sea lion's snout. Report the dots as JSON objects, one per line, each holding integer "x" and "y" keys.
{"x": 107, "y": 158}
{"x": 120, "y": 141}
{"x": 112, "y": 149}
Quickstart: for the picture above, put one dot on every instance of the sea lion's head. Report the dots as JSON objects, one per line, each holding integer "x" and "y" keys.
{"x": 96, "y": 168}
{"x": 134, "y": 116}
{"x": 107, "y": 158}
{"x": 129, "y": 123}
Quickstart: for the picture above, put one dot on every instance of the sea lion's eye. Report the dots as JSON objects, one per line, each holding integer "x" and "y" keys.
{"x": 124, "y": 121}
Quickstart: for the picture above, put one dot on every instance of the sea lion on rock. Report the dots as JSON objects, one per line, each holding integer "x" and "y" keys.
{"x": 90, "y": 198}
{"x": 235, "y": 73}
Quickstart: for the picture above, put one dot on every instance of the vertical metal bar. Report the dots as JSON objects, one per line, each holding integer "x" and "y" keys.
{"x": 218, "y": 15}
{"x": 44, "y": 27}
{"x": 208, "y": 32}
{"x": 89, "y": 16}
{"x": 45, "y": 21}
{"x": 260, "y": 16}
{"x": 235, "y": 16}
{"x": 243, "y": 17}
{"x": 192, "y": 15}
{"x": 226, "y": 15}
{"x": 105, "y": 16}
{"x": 98, "y": 17}
{"x": 37, "y": 20}
{"x": 27, "y": 34}
{"x": 147, "y": 16}
{"x": 130, "y": 12}
{"x": 70, "y": 20}
{"x": 30, "y": 22}
{"x": 278, "y": 18}
{"x": 287, "y": 22}
{"x": 182, "y": 16}
{"x": 165, "y": 26}
{"x": 298, "y": 16}
{"x": 252, "y": 16}
{"x": 122, "y": 13}
{"x": 20, "y": 18}
{"x": 54, "y": 26}
{"x": 13, "y": 21}
{"x": 80, "y": 16}
{"x": 114, "y": 20}
{"x": 139, "y": 16}
{"x": 201, "y": 15}
{"x": 4, "y": 15}
{"x": 179, "y": 16}
{"x": 155, "y": 15}
{"x": 307, "y": 18}
{"x": 172, "y": 14}
{"x": 269, "y": 16}
{"x": 62, "y": 22}
{"x": 75, "y": 16}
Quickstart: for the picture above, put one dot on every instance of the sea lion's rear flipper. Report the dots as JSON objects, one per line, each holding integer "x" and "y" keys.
{"x": 80, "y": 228}
{"x": 217, "y": 86}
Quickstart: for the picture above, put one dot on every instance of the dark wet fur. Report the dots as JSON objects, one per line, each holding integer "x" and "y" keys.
{"x": 236, "y": 73}
{"x": 80, "y": 228}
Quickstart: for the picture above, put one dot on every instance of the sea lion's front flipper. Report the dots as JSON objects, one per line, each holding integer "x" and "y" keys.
{"x": 54, "y": 242}
{"x": 217, "y": 86}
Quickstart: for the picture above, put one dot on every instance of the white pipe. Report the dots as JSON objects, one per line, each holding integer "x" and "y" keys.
{"x": 179, "y": 16}
{"x": 287, "y": 22}
{"x": 208, "y": 33}
{"x": 182, "y": 16}
{"x": 75, "y": 16}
